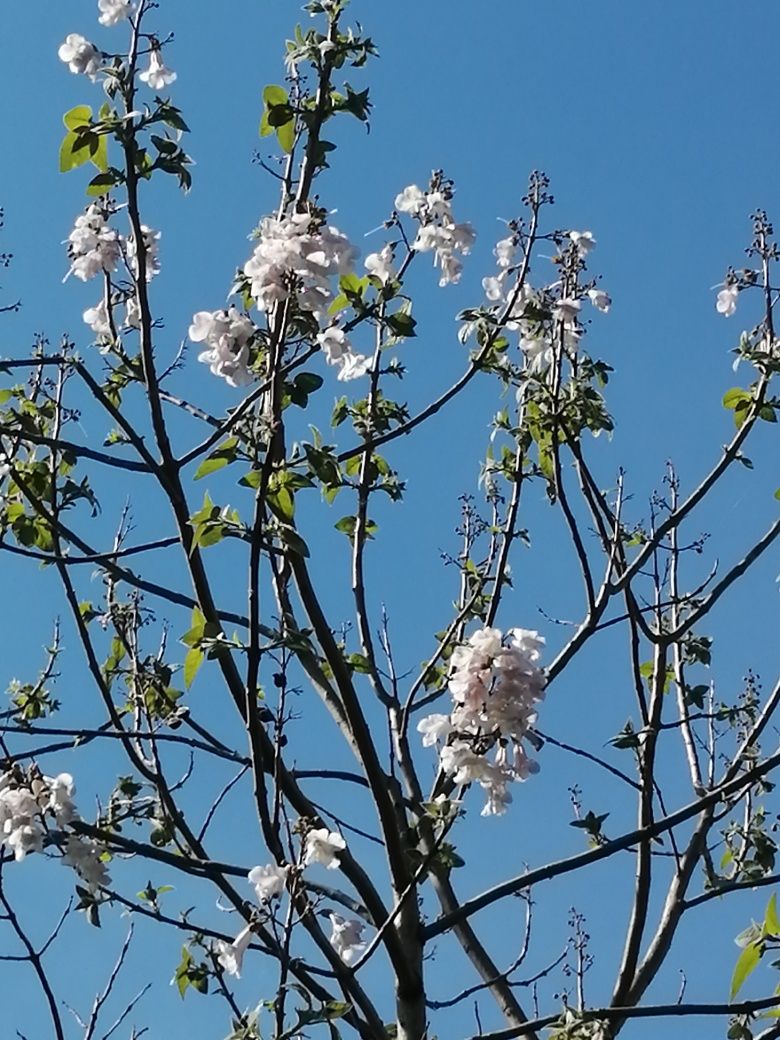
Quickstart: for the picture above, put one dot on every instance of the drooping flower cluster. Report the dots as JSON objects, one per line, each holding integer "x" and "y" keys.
{"x": 298, "y": 256}
{"x": 93, "y": 245}
{"x": 226, "y": 334}
{"x": 438, "y": 231}
{"x": 495, "y": 688}
{"x": 26, "y": 801}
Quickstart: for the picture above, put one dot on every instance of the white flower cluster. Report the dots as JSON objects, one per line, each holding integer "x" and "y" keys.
{"x": 495, "y": 689}
{"x": 84, "y": 59}
{"x": 525, "y": 304}
{"x": 297, "y": 256}
{"x": 93, "y": 245}
{"x": 269, "y": 882}
{"x": 99, "y": 321}
{"x": 438, "y": 231}
{"x": 226, "y": 334}
{"x": 26, "y": 801}
{"x": 338, "y": 351}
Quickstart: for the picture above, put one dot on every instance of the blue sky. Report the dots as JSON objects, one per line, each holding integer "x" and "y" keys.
{"x": 656, "y": 126}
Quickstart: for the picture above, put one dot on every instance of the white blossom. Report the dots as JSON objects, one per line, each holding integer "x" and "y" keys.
{"x": 538, "y": 352}
{"x": 114, "y": 11}
{"x": 84, "y": 856}
{"x": 583, "y": 240}
{"x": 24, "y": 804}
{"x": 495, "y": 683}
{"x": 227, "y": 334}
{"x": 601, "y": 301}
{"x": 151, "y": 239}
{"x": 494, "y": 288}
{"x": 354, "y": 366}
{"x": 61, "y": 791}
{"x": 298, "y": 257}
{"x": 132, "y": 312}
{"x": 231, "y": 955}
{"x": 411, "y": 200}
{"x": 323, "y": 846}
{"x": 380, "y": 264}
{"x": 21, "y": 826}
{"x": 93, "y": 245}
{"x": 567, "y": 309}
{"x": 727, "y": 300}
{"x": 268, "y": 881}
{"x": 158, "y": 75}
{"x": 347, "y": 937}
{"x": 434, "y": 728}
{"x": 338, "y": 351}
{"x": 98, "y": 319}
{"x": 438, "y": 231}
{"x": 82, "y": 57}
{"x": 505, "y": 252}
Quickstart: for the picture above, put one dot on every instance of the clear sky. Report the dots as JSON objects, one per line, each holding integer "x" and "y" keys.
{"x": 657, "y": 126}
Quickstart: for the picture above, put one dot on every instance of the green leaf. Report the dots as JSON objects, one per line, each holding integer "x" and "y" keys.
{"x": 274, "y": 95}
{"x": 279, "y": 497}
{"x": 739, "y": 401}
{"x": 293, "y": 541}
{"x": 346, "y": 525}
{"x": 103, "y": 182}
{"x": 77, "y": 117}
{"x": 181, "y": 978}
{"x": 73, "y": 153}
{"x": 280, "y": 115}
{"x": 746, "y": 964}
{"x": 252, "y": 479}
{"x": 192, "y": 663}
{"x": 285, "y": 135}
{"x": 359, "y": 663}
{"x": 308, "y": 382}
{"x": 220, "y": 457}
{"x": 401, "y": 325}
{"x": 352, "y": 286}
{"x": 771, "y": 920}
{"x": 81, "y": 147}
{"x": 210, "y": 465}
